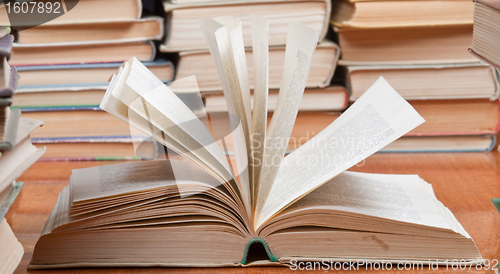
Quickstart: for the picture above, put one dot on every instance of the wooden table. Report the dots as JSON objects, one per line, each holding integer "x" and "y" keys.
{"x": 464, "y": 182}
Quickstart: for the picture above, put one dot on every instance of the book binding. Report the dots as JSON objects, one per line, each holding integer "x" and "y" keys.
{"x": 266, "y": 247}
{"x": 9, "y": 139}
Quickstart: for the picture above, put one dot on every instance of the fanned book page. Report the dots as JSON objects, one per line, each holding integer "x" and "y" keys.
{"x": 301, "y": 43}
{"x": 139, "y": 98}
{"x": 225, "y": 41}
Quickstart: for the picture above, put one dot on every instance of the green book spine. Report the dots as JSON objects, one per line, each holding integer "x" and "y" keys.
{"x": 10, "y": 199}
{"x": 266, "y": 247}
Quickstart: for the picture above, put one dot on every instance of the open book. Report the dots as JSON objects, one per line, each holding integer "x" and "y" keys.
{"x": 209, "y": 211}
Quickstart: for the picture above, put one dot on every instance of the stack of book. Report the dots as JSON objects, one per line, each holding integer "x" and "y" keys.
{"x": 420, "y": 47}
{"x": 66, "y": 64}
{"x": 16, "y": 154}
{"x": 321, "y": 100}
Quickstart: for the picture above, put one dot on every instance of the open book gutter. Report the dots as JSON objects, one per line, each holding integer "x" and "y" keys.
{"x": 289, "y": 204}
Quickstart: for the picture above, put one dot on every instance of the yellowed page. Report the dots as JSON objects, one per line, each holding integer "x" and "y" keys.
{"x": 217, "y": 35}
{"x": 301, "y": 43}
{"x": 260, "y": 49}
{"x": 376, "y": 119}
{"x": 115, "y": 107}
{"x": 143, "y": 87}
{"x": 161, "y": 114}
{"x": 233, "y": 26}
{"x": 397, "y": 197}
{"x": 109, "y": 180}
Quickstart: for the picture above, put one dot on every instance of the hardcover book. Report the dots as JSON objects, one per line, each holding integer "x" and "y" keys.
{"x": 430, "y": 81}
{"x": 77, "y": 77}
{"x": 27, "y": 55}
{"x": 87, "y": 133}
{"x": 408, "y": 13}
{"x": 397, "y": 45}
{"x": 209, "y": 211}
{"x": 200, "y": 64}
{"x": 183, "y": 33}
{"x": 148, "y": 28}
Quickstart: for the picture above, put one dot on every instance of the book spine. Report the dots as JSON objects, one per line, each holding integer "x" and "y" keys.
{"x": 56, "y": 108}
{"x": 103, "y": 158}
{"x": 16, "y": 188}
{"x": 266, "y": 247}
{"x": 157, "y": 63}
{"x": 454, "y": 133}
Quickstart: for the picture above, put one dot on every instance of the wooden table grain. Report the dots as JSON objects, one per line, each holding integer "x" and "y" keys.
{"x": 464, "y": 182}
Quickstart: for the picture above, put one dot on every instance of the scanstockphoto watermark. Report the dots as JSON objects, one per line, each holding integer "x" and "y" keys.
{"x": 365, "y": 264}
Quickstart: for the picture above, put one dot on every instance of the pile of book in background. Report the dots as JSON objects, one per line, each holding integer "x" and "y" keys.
{"x": 420, "y": 47}
{"x": 66, "y": 64}
{"x": 16, "y": 152}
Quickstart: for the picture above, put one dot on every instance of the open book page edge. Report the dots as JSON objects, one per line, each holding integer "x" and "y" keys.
{"x": 219, "y": 44}
{"x": 398, "y": 197}
{"x": 455, "y": 225}
{"x": 97, "y": 182}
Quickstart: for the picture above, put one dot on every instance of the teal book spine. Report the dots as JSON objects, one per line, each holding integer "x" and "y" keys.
{"x": 272, "y": 258}
{"x": 16, "y": 188}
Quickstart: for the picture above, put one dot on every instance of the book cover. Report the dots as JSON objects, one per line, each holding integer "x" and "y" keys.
{"x": 10, "y": 198}
{"x": 10, "y": 136}
{"x": 6, "y": 45}
{"x": 166, "y": 74}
